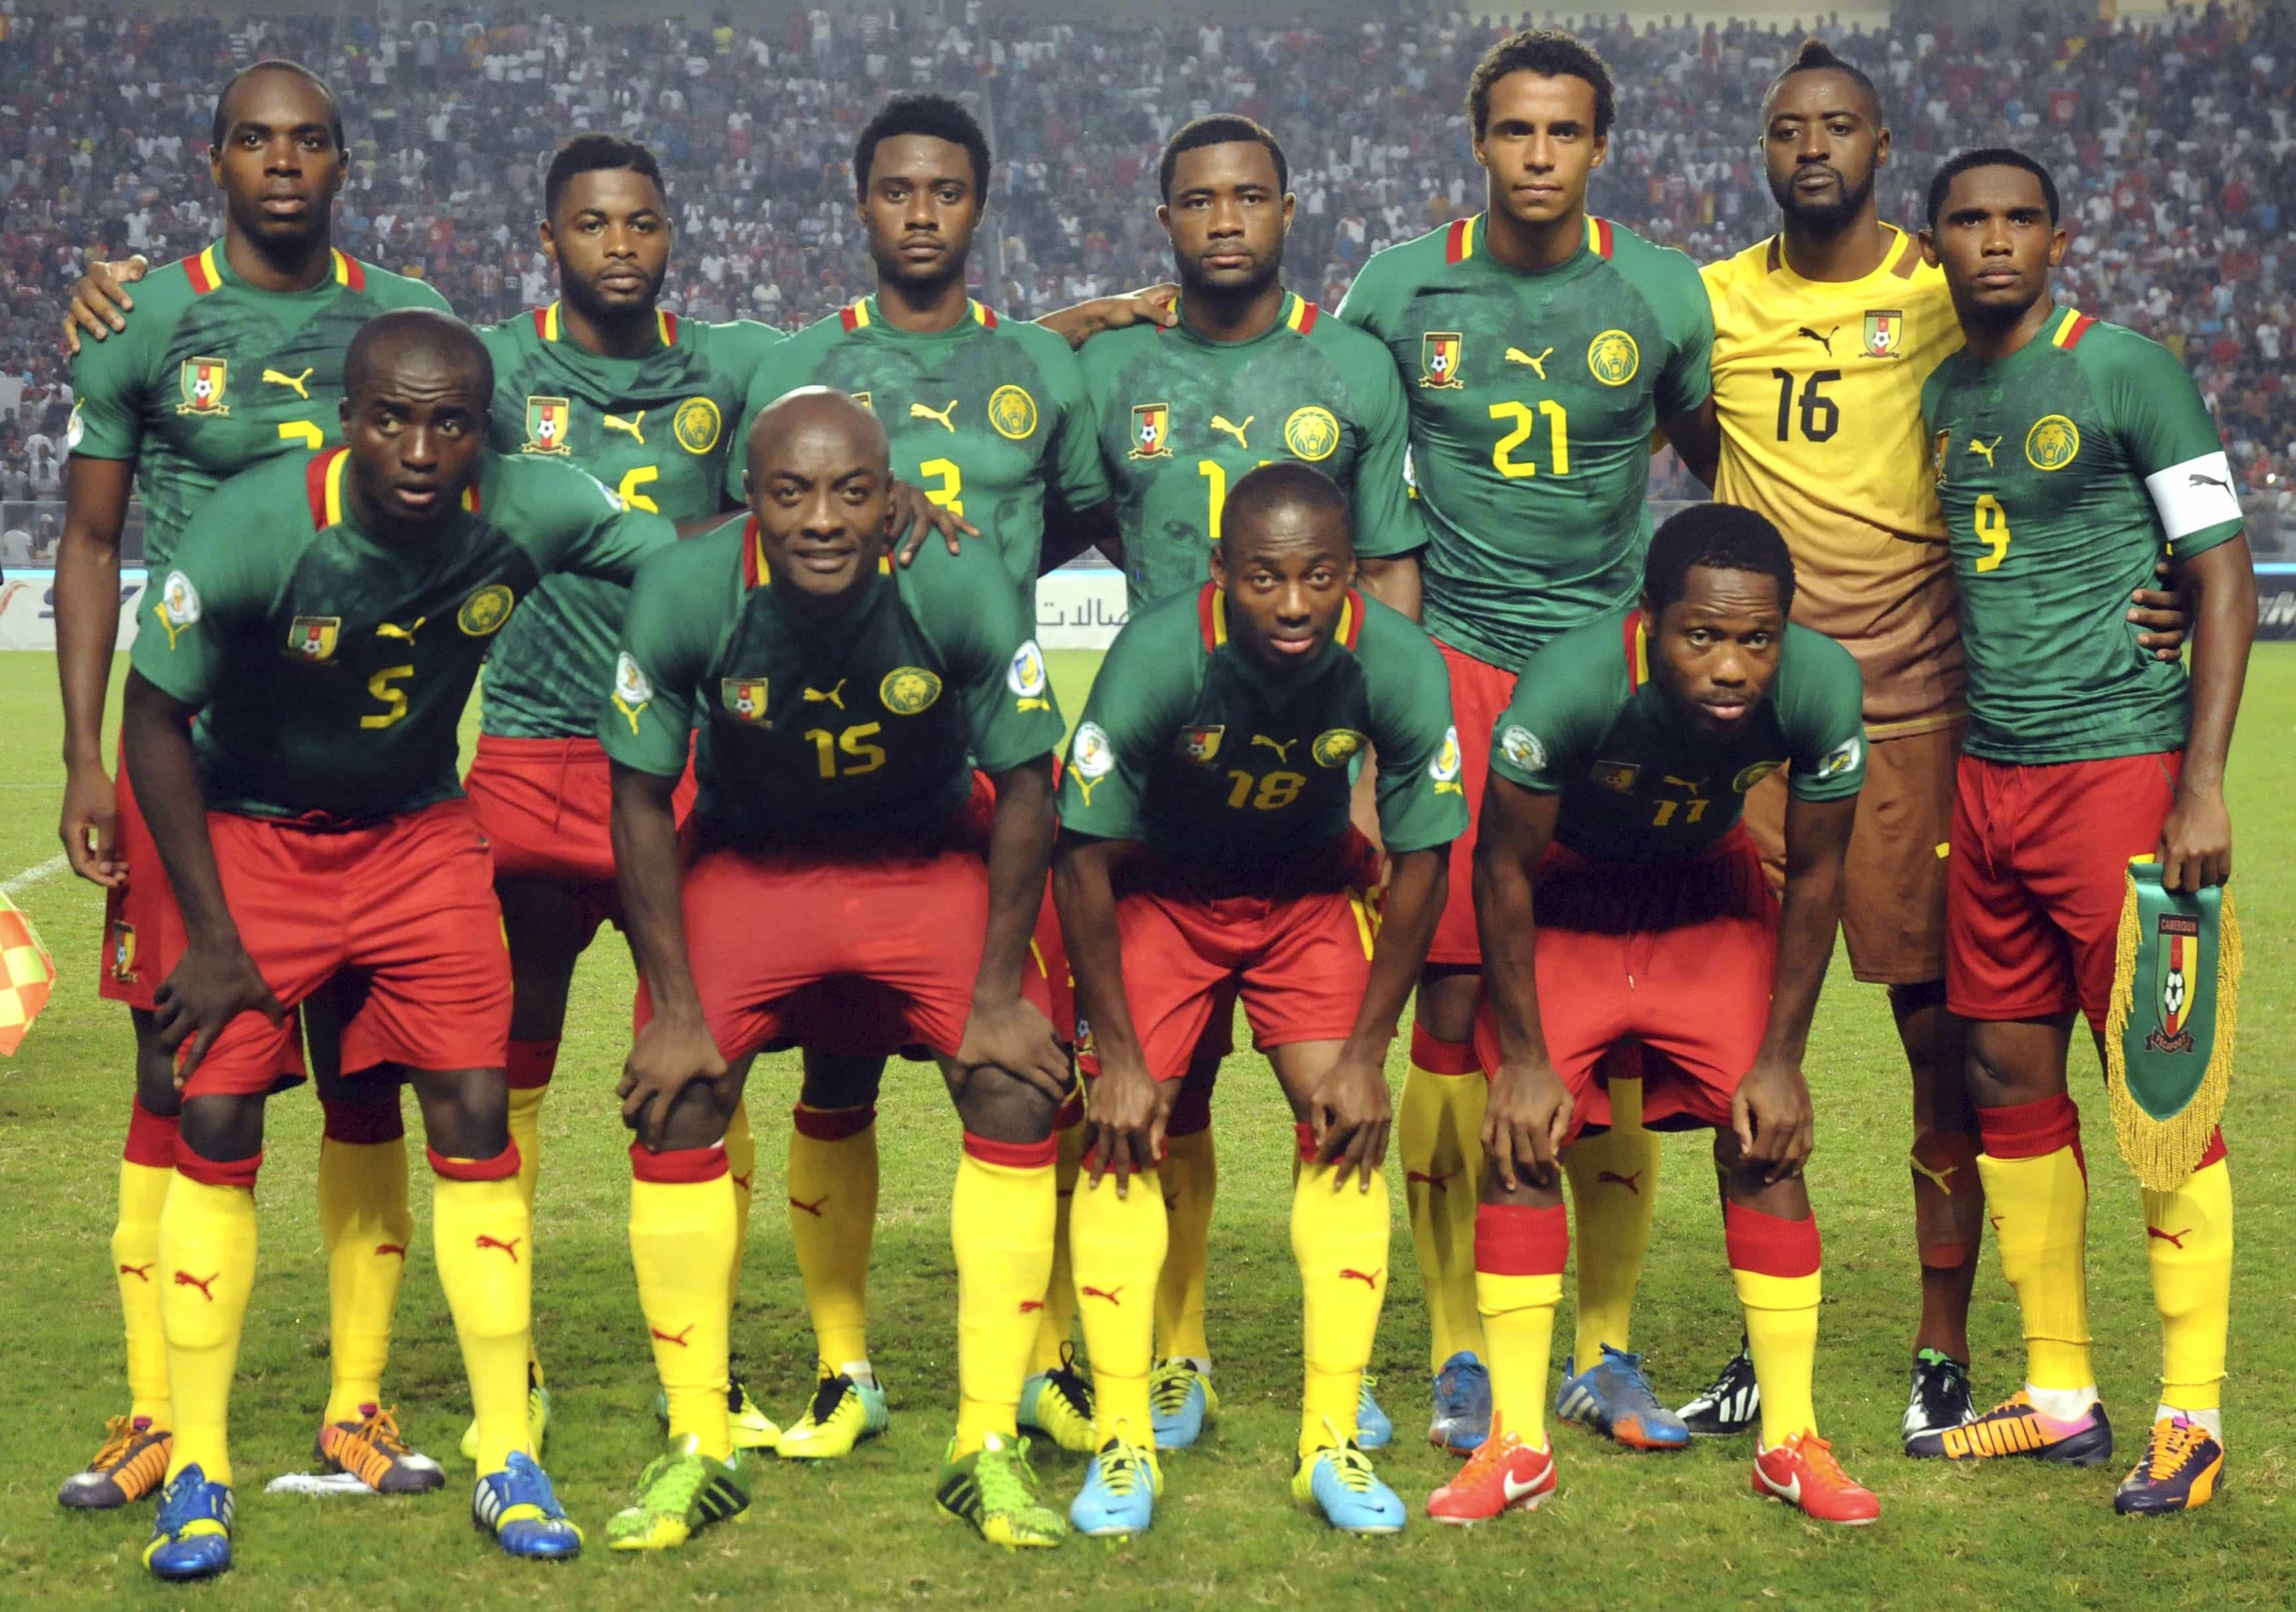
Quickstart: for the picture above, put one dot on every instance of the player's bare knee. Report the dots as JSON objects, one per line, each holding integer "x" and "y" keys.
{"x": 1525, "y": 1194}
{"x": 697, "y": 1117}
{"x": 998, "y": 1106}
{"x": 835, "y": 1081}
{"x": 2003, "y": 1074}
{"x": 465, "y": 1112}
{"x": 223, "y": 1126}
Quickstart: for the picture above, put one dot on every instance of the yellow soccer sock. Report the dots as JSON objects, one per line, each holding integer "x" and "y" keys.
{"x": 1119, "y": 1251}
{"x": 1190, "y": 1175}
{"x": 1613, "y": 1195}
{"x": 1056, "y": 1321}
{"x": 741, "y": 1145}
{"x": 1775, "y": 1265}
{"x": 366, "y": 1224}
{"x": 2037, "y": 1186}
{"x": 1001, "y": 1219}
{"x": 833, "y": 1196}
{"x": 207, "y": 1248}
{"x": 2188, "y": 1234}
{"x": 525, "y": 1135}
{"x": 146, "y": 1169}
{"x": 682, "y": 1235}
{"x": 1438, "y": 1131}
{"x": 1520, "y": 1253}
{"x": 1339, "y": 1237}
{"x": 482, "y": 1237}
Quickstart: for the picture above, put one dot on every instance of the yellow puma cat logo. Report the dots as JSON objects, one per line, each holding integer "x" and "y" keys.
{"x": 1515, "y": 354}
{"x": 1220, "y": 423}
{"x": 634, "y": 425}
{"x": 918, "y": 411}
{"x": 297, "y": 382}
{"x": 391, "y": 629}
{"x": 1282, "y": 747}
{"x": 1986, "y": 448}
{"x": 835, "y": 696}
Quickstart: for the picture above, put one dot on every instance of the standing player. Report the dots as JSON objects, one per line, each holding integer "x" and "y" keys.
{"x": 2070, "y": 456}
{"x": 1249, "y": 374}
{"x": 1539, "y": 347}
{"x": 1205, "y": 852}
{"x": 236, "y": 358}
{"x": 1824, "y": 335}
{"x": 324, "y": 619}
{"x": 1619, "y": 899}
{"x": 841, "y": 710}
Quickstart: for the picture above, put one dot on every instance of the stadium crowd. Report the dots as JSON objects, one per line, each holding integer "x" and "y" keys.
{"x": 2175, "y": 148}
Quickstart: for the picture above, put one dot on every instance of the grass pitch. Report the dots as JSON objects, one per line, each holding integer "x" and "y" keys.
{"x": 1625, "y": 1530}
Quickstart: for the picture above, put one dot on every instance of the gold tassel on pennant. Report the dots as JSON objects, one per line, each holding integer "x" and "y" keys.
{"x": 2163, "y": 1150}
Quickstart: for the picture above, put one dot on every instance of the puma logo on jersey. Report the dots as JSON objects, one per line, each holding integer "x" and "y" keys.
{"x": 1627, "y": 1182}
{"x": 1282, "y": 747}
{"x": 1515, "y": 354}
{"x": 918, "y": 411}
{"x": 405, "y": 635}
{"x": 813, "y": 1208}
{"x": 633, "y": 427}
{"x": 835, "y": 696}
{"x": 1220, "y": 423}
{"x": 1984, "y": 449}
{"x": 185, "y": 1279}
{"x": 511, "y": 1247}
{"x": 141, "y": 1273}
{"x": 1825, "y": 342}
{"x": 1370, "y": 1279}
{"x": 2196, "y": 479}
{"x": 2174, "y": 1240}
{"x": 1693, "y": 784}
{"x": 298, "y": 382}
{"x": 679, "y": 1338}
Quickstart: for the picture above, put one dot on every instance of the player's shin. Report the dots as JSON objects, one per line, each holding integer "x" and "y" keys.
{"x": 1057, "y": 1319}
{"x": 1001, "y": 1219}
{"x": 683, "y": 1240}
{"x": 2037, "y": 1183}
{"x": 206, "y": 1252}
{"x": 1339, "y": 1237}
{"x": 1118, "y": 1246}
{"x": 1520, "y": 1253}
{"x": 1948, "y": 1225}
{"x": 366, "y": 1224}
{"x": 1190, "y": 1175}
{"x": 2188, "y": 1237}
{"x": 483, "y": 1240}
{"x": 1613, "y": 1197}
{"x": 1775, "y": 1265}
{"x": 146, "y": 1169}
{"x": 832, "y": 1211}
{"x": 1439, "y": 1125}
{"x": 742, "y": 1170}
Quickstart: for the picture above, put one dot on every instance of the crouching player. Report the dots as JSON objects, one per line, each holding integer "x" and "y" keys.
{"x": 1619, "y": 899}
{"x": 324, "y": 621}
{"x": 834, "y": 895}
{"x": 1206, "y": 850}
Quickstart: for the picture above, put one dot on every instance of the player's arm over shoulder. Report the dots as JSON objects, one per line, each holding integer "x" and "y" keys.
{"x": 567, "y": 520}
{"x": 2167, "y": 435}
{"x": 1821, "y": 701}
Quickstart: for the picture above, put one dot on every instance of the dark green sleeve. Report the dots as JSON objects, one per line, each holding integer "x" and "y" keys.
{"x": 108, "y": 382}
{"x": 222, "y": 586}
{"x": 1686, "y": 315}
{"x": 741, "y": 347}
{"x": 1563, "y": 703}
{"x": 1077, "y": 480}
{"x": 1145, "y": 690}
{"x": 677, "y": 612}
{"x": 2168, "y": 437}
{"x": 1362, "y": 306}
{"x": 768, "y": 381}
{"x": 570, "y": 520}
{"x": 1387, "y": 517}
{"x": 1821, "y": 708}
{"x": 967, "y": 611}
{"x": 1422, "y": 802}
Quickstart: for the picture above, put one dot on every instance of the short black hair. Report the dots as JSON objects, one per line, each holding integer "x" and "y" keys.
{"x": 1282, "y": 484}
{"x": 1989, "y": 156}
{"x": 591, "y": 153}
{"x": 1551, "y": 53}
{"x": 1816, "y": 56}
{"x": 279, "y": 64}
{"x": 1221, "y": 129}
{"x": 428, "y": 327}
{"x": 940, "y": 117}
{"x": 1721, "y": 537}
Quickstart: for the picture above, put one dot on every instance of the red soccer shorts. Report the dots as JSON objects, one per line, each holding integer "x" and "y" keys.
{"x": 1480, "y": 693}
{"x": 142, "y": 929}
{"x": 1677, "y": 956}
{"x": 404, "y": 908}
{"x": 2037, "y": 877}
{"x": 546, "y": 806}
{"x": 1299, "y": 961}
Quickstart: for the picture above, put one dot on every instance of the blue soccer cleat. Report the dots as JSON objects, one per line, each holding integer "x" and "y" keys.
{"x": 1613, "y": 1397}
{"x": 1463, "y": 1405}
{"x": 192, "y": 1538}
{"x": 1118, "y": 1497}
{"x": 1338, "y": 1481}
{"x": 1373, "y": 1429}
{"x": 1180, "y": 1402}
{"x": 518, "y": 1507}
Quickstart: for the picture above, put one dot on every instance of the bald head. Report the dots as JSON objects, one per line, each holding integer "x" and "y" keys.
{"x": 815, "y": 419}
{"x": 821, "y": 484}
{"x": 1285, "y": 502}
{"x": 409, "y": 342}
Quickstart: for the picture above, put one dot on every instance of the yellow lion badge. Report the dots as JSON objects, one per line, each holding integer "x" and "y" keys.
{"x": 1013, "y": 412}
{"x": 485, "y": 611}
{"x": 1336, "y": 747}
{"x": 2053, "y": 443}
{"x": 1612, "y": 357}
{"x": 696, "y": 425}
{"x": 908, "y": 690}
{"x": 1312, "y": 433}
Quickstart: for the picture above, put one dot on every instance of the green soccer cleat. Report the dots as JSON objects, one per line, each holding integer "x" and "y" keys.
{"x": 751, "y": 1428}
{"x": 843, "y": 1412}
{"x": 680, "y": 1492}
{"x": 995, "y": 1490}
{"x": 1057, "y": 1403}
{"x": 537, "y": 1418}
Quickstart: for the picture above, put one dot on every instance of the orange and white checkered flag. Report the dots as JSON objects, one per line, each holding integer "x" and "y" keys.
{"x": 27, "y": 974}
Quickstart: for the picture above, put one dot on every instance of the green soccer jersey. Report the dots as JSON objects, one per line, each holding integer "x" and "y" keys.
{"x": 332, "y": 670}
{"x": 1533, "y": 400}
{"x": 989, "y": 417}
{"x": 212, "y": 376}
{"x": 1190, "y": 745}
{"x": 849, "y": 730}
{"x": 1638, "y": 784}
{"x": 656, "y": 429}
{"x": 1182, "y": 418}
{"x": 2065, "y": 471}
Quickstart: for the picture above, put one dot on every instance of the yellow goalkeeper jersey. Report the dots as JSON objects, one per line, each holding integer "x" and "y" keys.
{"x": 1818, "y": 388}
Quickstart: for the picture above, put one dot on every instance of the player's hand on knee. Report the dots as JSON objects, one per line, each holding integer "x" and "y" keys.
{"x": 2196, "y": 841}
{"x": 97, "y": 297}
{"x": 90, "y": 826}
{"x": 1012, "y": 1036}
{"x": 1126, "y": 1112}
{"x": 669, "y": 1055}
{"x": 1771, "y": 1117}
{"x": 912, "y": 517}
{"x": 1525, "y": 1123}
{"x": 212, "y": 986}
{"x": 1351, "y": 1114}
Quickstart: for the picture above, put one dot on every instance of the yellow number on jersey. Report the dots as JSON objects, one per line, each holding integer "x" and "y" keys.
{"x": 950, "y": 493}
{"x": 393, "y": 700}
{"x": 1526, "y": 419}
{"x": 1667, "y": 809}
{"x": 637, "y": 477}
{"x": 1992, "y": 525}
{"x": 1216, "y": 473}
{"x": 854, "y": 742}
{"x": 1276, "y": 790}
{"x": 303, "y": 432}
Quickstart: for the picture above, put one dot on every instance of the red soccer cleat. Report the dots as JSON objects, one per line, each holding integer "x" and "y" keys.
{"x": 1503, "y": 1475}
{"x": 1802, "y": 1472}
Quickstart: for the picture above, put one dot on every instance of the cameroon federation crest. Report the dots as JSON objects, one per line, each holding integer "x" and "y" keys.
{"x": 1200, "y": 744}
{"x": 203, "y": 381}
{"x": 2172, "y": 1022}
{"x": 484, "y": 613}
{"x": 313, "y": 637}
{"x": 1439, "y": 352}
{"x": 1885, "y": 332}
{"x": 1619, "y": 776}
{"x": 696, "y": 425}
{"x": 1151, "y": 431}
{"x": 1612, "y": 357}
{"x": 546, "y": 419}
{"x": 1940, "y": 447}
{"x": 908, "y": 690}
{"x": 1312, "y": 433}
{"x": 123, "y": 952}
{"x": 1336, "y": 747}
{"x": 863, "y": 399}
{"x": 2053, "y": 443}
{"x": 1013, "y": 412}
{"x": 744, "y": 698}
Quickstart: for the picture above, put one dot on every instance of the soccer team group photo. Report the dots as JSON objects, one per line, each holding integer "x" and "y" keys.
{"x": 1577, "y": 700}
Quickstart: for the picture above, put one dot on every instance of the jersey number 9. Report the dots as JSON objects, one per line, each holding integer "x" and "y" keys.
{"x": 1991, "y": 522}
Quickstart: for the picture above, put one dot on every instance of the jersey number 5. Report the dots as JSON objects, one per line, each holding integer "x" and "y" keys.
{"x": 1526, "y": 419}
{"x": 393, "y": 699}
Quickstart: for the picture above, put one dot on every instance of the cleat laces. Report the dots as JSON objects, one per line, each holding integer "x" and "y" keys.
{"x": 118, "y": 1433}
{"x": 2172, "y": 1446}
{"x": 1007, "y": 1484}
{"x": 1170, "y": 1387}
{"x": 1817, "y": 1454}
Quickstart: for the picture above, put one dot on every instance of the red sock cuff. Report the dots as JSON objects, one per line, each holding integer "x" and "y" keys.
{"x": 218, "y": 1172}
{"x": 151, "y": 1139}
{"x": 1192, "y": 1109}
{"x": 1442, "y": 1056}
{"x": 1307, "y": 1135}
{"x": 2030, "y": 1130}
{"x": 2214, "y": 1153}
{"x": 529, "y": 1064}
{"x": 502, "y": 1166}
{"x": 1522, "y": 1239}
{"x": 1767, "y": 1245}
{"x": 679, "y": 1166}
{"x": 365, "y": 1124}
{"x": 832, "y": 1124}
{"x": 1012, "y": 1155}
